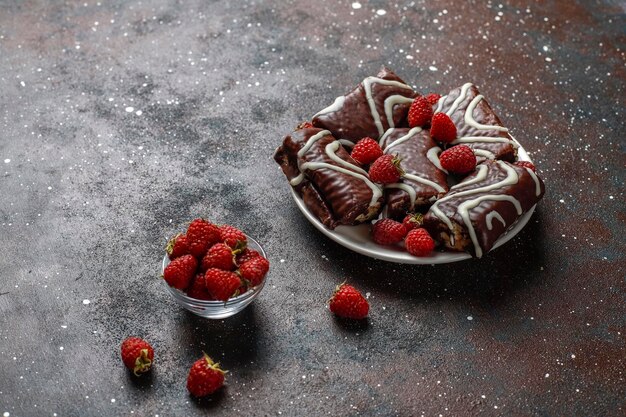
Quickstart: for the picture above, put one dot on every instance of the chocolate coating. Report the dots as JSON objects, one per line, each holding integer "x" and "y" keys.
{"x": 354, "y": 120}
{"x": 413, "y": 153}
{"x": 334, "y": 197}
{"x": 523, "y": 191}
{"x": 483, "y": 114}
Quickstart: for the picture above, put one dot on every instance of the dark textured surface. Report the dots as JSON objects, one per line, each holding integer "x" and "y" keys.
{"x": 91, "y": 191}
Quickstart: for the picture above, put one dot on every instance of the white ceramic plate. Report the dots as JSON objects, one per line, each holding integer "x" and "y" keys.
{"x": 358, "y": 239}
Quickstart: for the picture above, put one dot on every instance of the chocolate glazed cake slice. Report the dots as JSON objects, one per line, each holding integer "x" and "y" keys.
{"x": 477, "y": 125}
{"x": 375, "y": 105}
{"x": 424, "y": 180}
{"x": 481, "y": 208}
{"x": 332, "y": 184}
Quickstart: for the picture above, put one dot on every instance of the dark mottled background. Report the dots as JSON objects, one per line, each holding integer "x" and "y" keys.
{"x": 122, "y": 120}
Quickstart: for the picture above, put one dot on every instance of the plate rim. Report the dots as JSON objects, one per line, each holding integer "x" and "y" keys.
{"x": 402, "y": 257}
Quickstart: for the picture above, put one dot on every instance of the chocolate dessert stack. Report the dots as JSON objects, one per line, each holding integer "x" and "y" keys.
{"x": 468, "y": 216}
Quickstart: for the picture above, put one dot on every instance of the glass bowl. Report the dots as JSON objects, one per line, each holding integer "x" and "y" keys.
{"x": 217, "y": 309}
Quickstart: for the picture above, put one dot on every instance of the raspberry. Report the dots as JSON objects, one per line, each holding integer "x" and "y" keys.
{"x": 419, "y": 243}
{"x": 222, "y": 285}
{"x": 201, "y": 236}
{"x": 526, "y": 164}
{"x": 198, "y": 290}
{"x": 246, "y": 255}
{"x": 458, "y": 159}
{"x": 420, "y": 112}
{"x": 413, "y": 221}
{"x": 205, "y": 377}
{"x": 220, "y": 256}
{"x": 386, "y": 170}
{"x": 137, "y": 355}
{"x": 254, "y": 270}
{"x": 177, "y": 246}
{"x": 433, "y": 98}
{"x": 348, "y": 302}
{"x": 442, "y": 128}
{"x": 180, "y": 272}
{"x": 233, "y": 237}
{"x": 366, "y": 151}
{"x": 388, "y": 232}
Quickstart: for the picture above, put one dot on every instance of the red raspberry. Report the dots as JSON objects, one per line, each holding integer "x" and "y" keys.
{"x": 459, "y": 159}
{"x": 526, "y": 164}
{"x": 388, "y": 232}
{"x": 201, "y": 236}
{"x": 348, "y": 302}
{"x": 433, "y": 98}
{"x": 442, "y": 128}
{"x": 420, "y": 112}
{"x": 205, "y": 377}
{"x": 366, "y": 151}
{"x": 386, "y": 170}
{"x": 304, "y": 125}
{"x": 137, "y": 355}
{"x": 419, "y": 243}
{"x": 413, "y": 221}
{"x": 246, "y": 255}
{"x": 177, "y": 246}
{"x": 180, "y": 272}
{"x": 254, "y": 270}
{"x": 198, "y": 290}
{"x": 233, "y": 237}
{"x": 220, "y": 256}
{"x": 222, "y": 285}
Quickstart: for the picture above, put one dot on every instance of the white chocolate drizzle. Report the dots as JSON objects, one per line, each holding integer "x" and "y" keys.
{"x": 491, "y": 216}
{"x": 459, "y": 99}
{"x": 469, "y": 117}
{"x": 367, "y": 85}
{"x": 336, "y": 106}
{"x": 471, "y": 139}
{"x": 392, "y": 101}
{"x": 346, "y": 142}
{"x": 424, "y": 181}
{"x": 484, "y": 153}
{"x": 331, "y": 148}
{"x": 433, "y": 157}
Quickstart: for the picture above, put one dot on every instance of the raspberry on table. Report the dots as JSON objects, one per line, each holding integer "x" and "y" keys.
{"x": 349, "y": 303}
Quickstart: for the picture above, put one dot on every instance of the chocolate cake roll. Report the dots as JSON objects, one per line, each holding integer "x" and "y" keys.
{"x": 332, "y": 184}
{"x": 481, "y": 208}
{"x": 375, "y": 105}
{"x": 424, "y": 180}
{"x": 477, "y": 125}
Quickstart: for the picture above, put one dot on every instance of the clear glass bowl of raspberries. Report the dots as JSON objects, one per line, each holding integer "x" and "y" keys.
{"x": 214, "y": 271}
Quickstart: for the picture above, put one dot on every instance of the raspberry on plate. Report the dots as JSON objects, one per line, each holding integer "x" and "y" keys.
{"x": 459, "y": 159}
{"x": 419, "y": 243}
{"x": 219, "y": 256}
{"x": 413, "y": 221}
{"x": 388, "y": 232}
{"x": 232, "y": 236}
{"x": 254, "y": 270}
{"x": 205, "y": 377}
{"x": 201, "y": 235}
{"x": 177, "y": 246}
{"x": 180, "y": 272}
{"x": 366, "y": 151}
{"x": 442, "y": 128}
{"x": 420, "y": 113}
{"x": 137, "y": 355}
{"x": 349, "y": 303}
{"x": 386, "y": 170}
{"x": 222, "y": 285}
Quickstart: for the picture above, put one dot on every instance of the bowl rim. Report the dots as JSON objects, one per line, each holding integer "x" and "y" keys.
{"x": 251, "y": 293}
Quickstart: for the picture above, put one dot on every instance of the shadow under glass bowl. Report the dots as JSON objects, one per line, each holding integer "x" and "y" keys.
{"x": 217, "y": 309}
